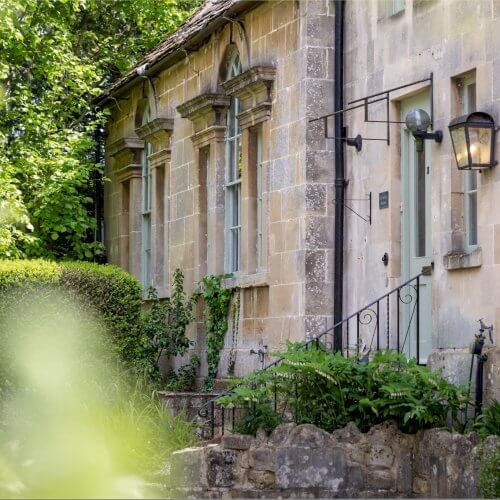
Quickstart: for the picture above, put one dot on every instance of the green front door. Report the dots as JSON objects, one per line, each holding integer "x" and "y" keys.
{"x": 416, "y": 235}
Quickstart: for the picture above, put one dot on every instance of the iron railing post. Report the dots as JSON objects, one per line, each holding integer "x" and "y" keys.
{"x": 418, "y": 319}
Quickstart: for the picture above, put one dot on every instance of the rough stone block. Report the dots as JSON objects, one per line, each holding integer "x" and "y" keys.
{"x": 221, "y": 467}
{"x": 380, "y": 480}
{"x": 308, "y": 435}
{"x": 380, "y": 456}
{"x": 186, "y": 468}
{"x": 301, "y": 467}
{"x": 236, "y": 441}
{"x": 261, "y": 478}
{"x": 280, "y": 435}
{"x": 348, "y": 434}
{"x": 262, "y": 458}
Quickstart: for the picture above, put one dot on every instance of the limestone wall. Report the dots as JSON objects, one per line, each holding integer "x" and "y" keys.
{"x": 306, "y": 462}
{"x": 450, "y": 38}
{"x": 291, "y": 295}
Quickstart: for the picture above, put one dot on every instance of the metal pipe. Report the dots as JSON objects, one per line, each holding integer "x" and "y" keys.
{"x": 338, "y": 283}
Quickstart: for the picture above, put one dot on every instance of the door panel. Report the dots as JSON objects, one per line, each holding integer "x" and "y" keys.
{"x": 416, "y": 235}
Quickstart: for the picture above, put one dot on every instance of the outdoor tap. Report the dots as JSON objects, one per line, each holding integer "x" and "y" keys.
{"x": 483, "y": 327}
{"x": 261, "y": 352}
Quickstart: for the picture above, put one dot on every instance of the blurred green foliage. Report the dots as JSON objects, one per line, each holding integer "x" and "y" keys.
{"x": 109, "y": 293}
{"x": 74, "y": 424}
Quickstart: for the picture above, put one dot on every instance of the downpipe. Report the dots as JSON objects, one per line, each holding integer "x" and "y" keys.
{"x": 340, "y": 182}
{"x": 477, "y": 352}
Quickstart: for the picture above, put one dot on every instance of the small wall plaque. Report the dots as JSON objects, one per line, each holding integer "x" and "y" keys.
{"x": 383, "y": 199}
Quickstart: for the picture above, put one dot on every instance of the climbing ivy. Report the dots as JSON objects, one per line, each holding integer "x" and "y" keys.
{"x": 164, "y": 324}
{"x": 217, "y": 300}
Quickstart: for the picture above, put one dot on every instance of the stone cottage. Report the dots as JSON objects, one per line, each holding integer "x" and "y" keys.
{"x": 217, "y": 164}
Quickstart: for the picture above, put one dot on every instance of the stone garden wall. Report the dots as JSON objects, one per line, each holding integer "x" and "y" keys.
{"x": 304, "y": 461}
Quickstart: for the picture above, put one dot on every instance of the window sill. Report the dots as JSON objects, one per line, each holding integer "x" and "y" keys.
{"x": 248, "y": 280}
{"x": 463, "y": 260}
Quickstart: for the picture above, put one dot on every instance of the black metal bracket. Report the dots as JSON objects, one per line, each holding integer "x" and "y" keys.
{"x": 365, "y": 102}
{"x": 366, "y": 218}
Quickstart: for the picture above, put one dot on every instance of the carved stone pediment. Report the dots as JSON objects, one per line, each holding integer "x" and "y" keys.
{"x": 253, "y": 89}
{"x": 206, "y": 110}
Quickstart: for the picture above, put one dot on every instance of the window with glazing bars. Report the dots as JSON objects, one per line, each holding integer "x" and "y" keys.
{"x": 146, "y": 211}
{"x": 233, "y": 178}
{"x": 260, "y": 174}
{"x": 468, "y": 98}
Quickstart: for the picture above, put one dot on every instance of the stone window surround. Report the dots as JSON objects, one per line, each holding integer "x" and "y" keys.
{"x": 253, "y": 89}
{"x": 207, "y": 112}
{"x": 126, "y": 153}
{"x": 158, "y": 132}
{"x": 461, "y": 257}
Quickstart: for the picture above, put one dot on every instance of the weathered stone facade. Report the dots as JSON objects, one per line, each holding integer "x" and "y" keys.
{"x": 453, "y": 39}
{"x": 285, "y": 50}
{"x": 306, "y": 462}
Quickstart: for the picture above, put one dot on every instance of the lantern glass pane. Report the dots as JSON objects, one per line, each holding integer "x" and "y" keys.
{"x": 480, "y": 145}
{"x": 460, "y": 145}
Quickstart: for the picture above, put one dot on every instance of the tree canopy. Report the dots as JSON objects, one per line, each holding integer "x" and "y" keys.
{"x": 56, "y": 56}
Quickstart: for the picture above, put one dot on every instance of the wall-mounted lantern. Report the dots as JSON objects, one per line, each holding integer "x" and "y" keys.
{"x": 418, "y": 121}
{"x": 473, "y": 138}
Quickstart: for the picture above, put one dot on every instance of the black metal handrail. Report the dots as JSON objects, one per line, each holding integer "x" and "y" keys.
{"x": 378, "y": 313}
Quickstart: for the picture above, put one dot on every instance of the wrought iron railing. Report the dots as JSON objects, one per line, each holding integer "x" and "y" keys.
{"x": 390, "y": 322}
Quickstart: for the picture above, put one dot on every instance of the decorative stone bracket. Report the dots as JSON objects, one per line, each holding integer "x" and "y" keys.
{"x": 253, "y": 88}
{"x": 206, "y": 111}
{"x": 158, "y": 133}
{"x": 126, "y": 153}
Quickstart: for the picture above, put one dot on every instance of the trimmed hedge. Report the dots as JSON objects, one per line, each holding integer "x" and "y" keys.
{"x": 113, "y": 295}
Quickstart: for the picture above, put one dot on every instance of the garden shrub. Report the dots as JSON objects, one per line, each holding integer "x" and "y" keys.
{"x": 112, "y": 295}
{"x": 116, "y": 298}
{"x": 330, "y": 390}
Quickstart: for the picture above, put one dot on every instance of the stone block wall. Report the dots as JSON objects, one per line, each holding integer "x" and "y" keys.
{"x": 306, "y": 462}
{"x": 286, "y": 48}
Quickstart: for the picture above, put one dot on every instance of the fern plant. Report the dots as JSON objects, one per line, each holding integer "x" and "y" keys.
{"x": 329, "y": 390}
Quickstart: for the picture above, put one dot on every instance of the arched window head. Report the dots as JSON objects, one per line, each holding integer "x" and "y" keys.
{"x": 146, "y": 115}
{"x": 234, "y": 66}
{"x": 142, "y": 113}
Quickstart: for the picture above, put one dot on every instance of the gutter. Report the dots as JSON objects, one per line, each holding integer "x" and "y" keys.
{"x": 340, "y": 182}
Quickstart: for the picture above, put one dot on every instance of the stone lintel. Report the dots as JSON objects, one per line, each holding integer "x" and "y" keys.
{"x": 159, "y": 157}
{"x": 254, "y": 116}
{"x": 205, "y": 137}
{"x": 253, "y": 86}
{"x": 128, "y": 172}
{"x": 202, "y": 105}
{"x": 125, "y": 145}
{"x": 158, "y": 128}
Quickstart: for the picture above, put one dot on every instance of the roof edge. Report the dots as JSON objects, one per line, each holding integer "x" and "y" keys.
{"x": 144, "y": 70}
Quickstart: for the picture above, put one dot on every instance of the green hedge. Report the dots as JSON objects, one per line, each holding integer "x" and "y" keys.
{"x": 113, "y": 295}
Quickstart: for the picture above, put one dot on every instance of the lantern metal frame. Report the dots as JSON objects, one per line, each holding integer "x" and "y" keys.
{"x": 466, "y": 122}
